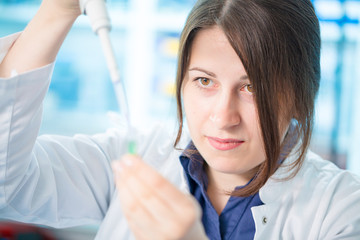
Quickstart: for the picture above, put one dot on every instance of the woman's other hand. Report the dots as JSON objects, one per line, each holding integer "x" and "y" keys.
{"x": 154, "y": 208}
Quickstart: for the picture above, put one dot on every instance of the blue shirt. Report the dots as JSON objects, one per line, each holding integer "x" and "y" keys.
{"x": 235, "y": 221}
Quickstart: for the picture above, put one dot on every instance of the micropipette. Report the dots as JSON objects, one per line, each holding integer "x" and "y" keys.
{"x": 100, "y": 23}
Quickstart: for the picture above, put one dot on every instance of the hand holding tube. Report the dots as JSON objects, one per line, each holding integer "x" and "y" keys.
{"x": 153, "y": 206}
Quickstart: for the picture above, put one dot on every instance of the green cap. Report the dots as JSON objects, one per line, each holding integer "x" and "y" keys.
{"x": 132, "y": 147}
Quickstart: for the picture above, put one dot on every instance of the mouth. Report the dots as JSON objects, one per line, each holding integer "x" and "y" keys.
{"x": 224, "y": 144}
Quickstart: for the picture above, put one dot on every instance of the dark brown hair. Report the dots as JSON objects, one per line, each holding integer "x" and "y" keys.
{"x": 278, "y": 42}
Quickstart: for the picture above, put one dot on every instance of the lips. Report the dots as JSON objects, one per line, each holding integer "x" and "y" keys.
{"x": 224, "y": 144}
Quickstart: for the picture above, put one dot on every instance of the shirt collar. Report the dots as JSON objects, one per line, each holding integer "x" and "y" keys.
{"x": 194, "y": 165}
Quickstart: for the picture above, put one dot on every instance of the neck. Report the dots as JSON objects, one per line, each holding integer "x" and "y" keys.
{"x": 227, "y": 182}
{"x": 221, "y": 185}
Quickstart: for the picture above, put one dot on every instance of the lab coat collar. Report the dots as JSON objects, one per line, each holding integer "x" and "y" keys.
{"x": 276, "y": 189}
{"x": 282, "y": 181}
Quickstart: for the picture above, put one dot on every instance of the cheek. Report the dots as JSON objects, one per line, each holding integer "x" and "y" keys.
{"x": 250, "y": 118}
{"x": 259, "y": 140}
{"x": 253, "y": 125}
{"x": 188, "y": 105}
{"x": 196, "y": 110}
{"x": 192, "y": 110}
{"x": 186, "y": 98}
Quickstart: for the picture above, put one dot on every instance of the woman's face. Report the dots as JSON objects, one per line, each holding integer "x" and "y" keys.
{"x": 220, "y": 107}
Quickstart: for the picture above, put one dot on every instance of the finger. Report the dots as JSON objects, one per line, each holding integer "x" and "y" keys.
{"x": 155, "y": 200}
{"x": 136, "y": 194}
{"x": 167, "y": 192}
{"x": 140, "y": 221}
{"x": 131, "y": 205}
{"x": 141, "y": 234}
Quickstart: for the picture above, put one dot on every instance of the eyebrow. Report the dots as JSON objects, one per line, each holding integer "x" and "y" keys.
{"x": 203, "y": 70}
{"x": 244, "y": 77}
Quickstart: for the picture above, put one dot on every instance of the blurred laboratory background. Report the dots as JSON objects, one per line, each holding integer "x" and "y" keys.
{"x": 145, "y": 36}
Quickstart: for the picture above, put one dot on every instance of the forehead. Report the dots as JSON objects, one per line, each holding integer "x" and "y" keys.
{"x": 213, "y": 34}
{"x": 212, "y": 50}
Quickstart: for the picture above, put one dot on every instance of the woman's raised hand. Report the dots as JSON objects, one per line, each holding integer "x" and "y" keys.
{"x": 63, "y": 7}
{"x": 41, "y": 40}
{"x": 154, "y": 208}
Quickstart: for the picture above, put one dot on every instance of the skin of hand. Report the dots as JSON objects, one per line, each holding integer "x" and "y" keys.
{"x": 154, "y": 208}
{"x": 66, "y": 7}
{"x": 42, "y": 38}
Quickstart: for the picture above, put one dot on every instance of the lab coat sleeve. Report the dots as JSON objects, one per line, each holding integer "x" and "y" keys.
{"x": 50, "y": 180}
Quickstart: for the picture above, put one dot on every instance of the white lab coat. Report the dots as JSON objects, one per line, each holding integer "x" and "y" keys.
{"x": 67, "y": 181}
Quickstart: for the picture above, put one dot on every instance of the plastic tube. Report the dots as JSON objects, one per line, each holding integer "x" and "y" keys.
{"x": 119, "y": 89}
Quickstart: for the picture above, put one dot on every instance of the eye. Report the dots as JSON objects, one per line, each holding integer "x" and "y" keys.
{"x": 248, "y": 88}
{"x": 205, "y": 81}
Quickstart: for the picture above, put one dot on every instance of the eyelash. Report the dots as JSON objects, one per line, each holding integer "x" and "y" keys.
{"x": 198, "y": 80}
{"x": 247, "y": 86}
{"x": 202, "y": 86}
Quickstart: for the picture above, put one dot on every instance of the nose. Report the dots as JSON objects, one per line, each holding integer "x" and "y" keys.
{"x": 225, "y": 113}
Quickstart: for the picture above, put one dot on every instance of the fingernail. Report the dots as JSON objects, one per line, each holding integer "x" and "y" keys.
{"x": 128, "y": 161}
{"x": 116, "y": 166}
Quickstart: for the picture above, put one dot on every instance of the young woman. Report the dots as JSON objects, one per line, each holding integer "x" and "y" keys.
{"x": 248, "y": 75}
